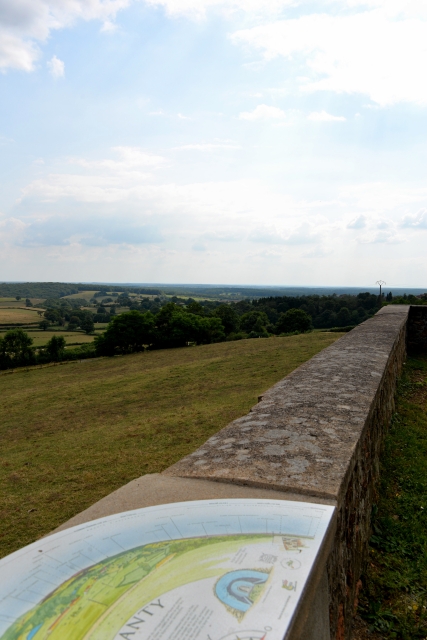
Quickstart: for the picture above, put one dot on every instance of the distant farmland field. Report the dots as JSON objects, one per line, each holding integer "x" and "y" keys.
{"x": 18, "y": 315}
{"x": 20, "y": 304}
{"x": 40, "y": 338}
{"x": 71, "y": 434}
{"x": 83, "y": 295}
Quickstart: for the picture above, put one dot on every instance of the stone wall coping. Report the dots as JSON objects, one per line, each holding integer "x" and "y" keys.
{"x": 302, "y": 435}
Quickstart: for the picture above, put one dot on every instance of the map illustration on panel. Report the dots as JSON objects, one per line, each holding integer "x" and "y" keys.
{"x": 203, "y": 570}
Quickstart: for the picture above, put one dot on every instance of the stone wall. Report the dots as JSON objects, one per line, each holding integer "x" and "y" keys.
{"x": 318, "y": 433}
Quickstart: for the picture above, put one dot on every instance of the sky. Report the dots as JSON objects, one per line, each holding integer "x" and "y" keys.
{"x": 273, "y": 142}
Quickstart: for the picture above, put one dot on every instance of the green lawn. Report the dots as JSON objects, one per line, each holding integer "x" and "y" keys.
{"x": 73, "y": 433}
{"x": 394, "y": 595}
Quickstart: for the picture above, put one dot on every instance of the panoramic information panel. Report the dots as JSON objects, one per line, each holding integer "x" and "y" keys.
{"x": 205, "y": 570}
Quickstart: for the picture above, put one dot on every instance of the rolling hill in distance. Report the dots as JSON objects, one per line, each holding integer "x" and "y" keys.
{"x": 231, "y": 292}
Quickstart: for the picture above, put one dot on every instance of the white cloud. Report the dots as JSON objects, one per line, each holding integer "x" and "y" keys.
{"x": 62, "y": 230}
{"x": 393, "y": 8}
{"x": 374, "y": 198}
{"x": 416, "y": 221}
{"x": 357, "y": 223}
{"x": 381, "y": 237}
{"x": 208, "y": 146}
{"x": 109, "y": 27}
{"x": 323, "y": 116}
{"x": 56, "y": 67}
{"x": 378, "y": 52}
{"x": 303, "y": 234}
{"x": 217, "y": 236}
{"x": 198, "y": 8}
{"x": 104, "y": 180}
{"x": 129, "y": 159}
{"x": 25, "y": 23}
{"x": 161, "y": 112}
{"x": 263, "y": 112}
{"x": 383, "y": 224}
{"x": 11, "y": 230}
{"x": 16, "y": 53}
{"x": 228, "y": 229}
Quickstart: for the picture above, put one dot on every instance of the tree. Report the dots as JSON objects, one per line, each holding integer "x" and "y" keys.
{"x": 228, "y": 317}
{"x": 16, "y": 349}
{"x": 326, "y": 319}
{"x": 254, "y": 322}
{"x": 123, "y": 300}
{"x": 44, "y": 324}
{"x": 53, "y": 315}
{"x": 55, "y": 348}
{"x": 196, "y": 308}
{"x": 17, "y": 297}
{"x": 73, "y": 323}
{"x": 294, "y": 320}
{"x": 87, "y": 323}
{"x": 343, "y": 317}
{"x": 28, "y": 303}
{"x": 129, "y": 332}
{"x": 175, "y": 327}
{"x": 210, "y": 330}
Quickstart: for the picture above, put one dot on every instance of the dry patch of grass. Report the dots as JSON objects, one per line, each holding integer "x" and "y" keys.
{"x": 83, "y": 295}
{"x": 18, "y": 315}
{"x": 72, "y": 434}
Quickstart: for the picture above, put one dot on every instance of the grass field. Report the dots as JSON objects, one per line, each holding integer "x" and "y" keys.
{"x": 83, "y": 295}
{"x": 394, "y": 594}
{"x": 18, "y": 315}
{"x": 20, "y": 304}
{"x": 88, "y": 295}
{"x": 71, "y": 434}
{"x": 40, "y": 338}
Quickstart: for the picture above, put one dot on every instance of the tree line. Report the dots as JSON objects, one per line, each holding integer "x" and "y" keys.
{"x": 325, "y": 311}
{"x": 180, "y": 322}
{"x": 173, "y": 326}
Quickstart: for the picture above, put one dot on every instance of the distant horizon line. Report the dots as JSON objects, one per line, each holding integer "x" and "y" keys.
{"x": 200, "y": 285}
